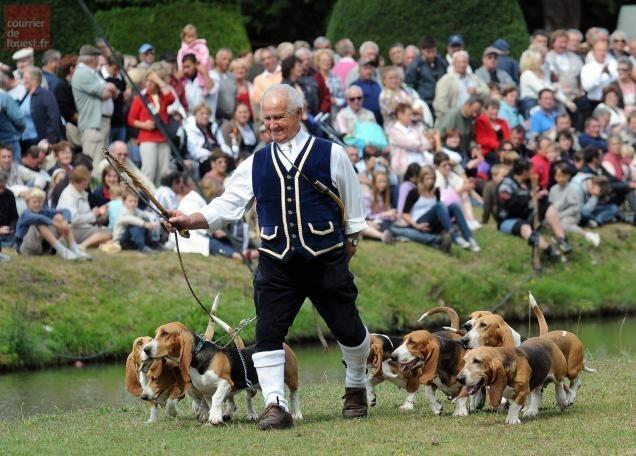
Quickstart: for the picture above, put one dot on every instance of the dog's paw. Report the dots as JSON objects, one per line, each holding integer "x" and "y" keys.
{"x": 297, "y": 415}
{"x": 515, "y": 420}
{"x": 407, "y": 406}
{"x": 530, "y": 413}
{"x": 252, "y": 416}
{"x": 461, "y": 412}
{"x": 216, "y": 417}
{"x": 437, "y": 409}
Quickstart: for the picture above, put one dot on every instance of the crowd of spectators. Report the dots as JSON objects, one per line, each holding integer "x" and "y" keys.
{"x": 544, "y": 141}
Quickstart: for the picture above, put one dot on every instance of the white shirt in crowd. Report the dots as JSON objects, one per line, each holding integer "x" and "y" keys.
{"x": 594, "y": 79}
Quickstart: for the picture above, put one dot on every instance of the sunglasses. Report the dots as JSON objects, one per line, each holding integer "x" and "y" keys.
{"x": 619, "y": 41}
{"x": 355, "y": 98}
{"x": 623, "y": 69}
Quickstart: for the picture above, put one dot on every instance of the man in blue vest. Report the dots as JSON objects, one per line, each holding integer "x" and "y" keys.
{"x": 305, "y": 248}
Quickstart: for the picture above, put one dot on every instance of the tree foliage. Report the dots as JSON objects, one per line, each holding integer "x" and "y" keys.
{"x": 480, "y": 22}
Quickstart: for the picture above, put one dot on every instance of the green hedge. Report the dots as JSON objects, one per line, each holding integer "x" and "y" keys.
{"x": 160, "y": 25}
{"x": 480, "y": 22}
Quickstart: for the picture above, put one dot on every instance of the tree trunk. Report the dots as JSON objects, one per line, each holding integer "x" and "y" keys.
{"x": 561, "y": 14}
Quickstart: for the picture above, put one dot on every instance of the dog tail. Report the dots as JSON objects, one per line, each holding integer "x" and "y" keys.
{"x": 543, "y": 325}
{"x": 209, "y": 331}
{"x": 454, "y": 319}
{"x": 228, "y": 329}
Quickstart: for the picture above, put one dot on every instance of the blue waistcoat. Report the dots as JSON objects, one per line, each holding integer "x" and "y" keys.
{"x": 294, "y": 217}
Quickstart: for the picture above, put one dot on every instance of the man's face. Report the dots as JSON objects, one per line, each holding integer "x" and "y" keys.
{"x": 490, "y": 61}
{"x": 369, "y": 54}
{"x": 28, "y": 81}
{"x": 516, "y": 137}
{"x": 560, "y": 44}
{"x": 282, "y": 125}
{"x": 563, "y": 123}
{"x": 473, "y": 110}
{"x": 120, "y": 153}
{"x": 305, "y": 61}
{"x": 366, "y": 72}
{"x": 33, "y": 162}
{"x": 540, "y": 40}
{"x": 148, "y": 56}
{"x": 460, "y": 64}
{"x": 429, "y": 54}
{"x": 410, "y": 54}
{"x": 600, "y": 51}
{"x": 268, "y": 59}
{"x": 546, "y": 101}
{"x": 573, "y": 42}
{"x": 223, "y": 60}
{"x": 618, "y": 44}
{"x": 593, "y": 128}
{"x": 189, "y": 69}
{"x": 6, "y": 157}
{"x": 354, "y": 99}
{"x": 396, "y": 54}
{"x": 23, "y": 63}
{"x": 352, "y": 153}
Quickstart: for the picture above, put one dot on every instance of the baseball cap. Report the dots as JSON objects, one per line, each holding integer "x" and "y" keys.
{"x": 23, "y": 54}
{"x": 88, "y": 49}
{"x": 501, "y": 44}
{"x": 491, "y": 50}
{"x": 145, "y": 48}
{"x": 455, "y": 40}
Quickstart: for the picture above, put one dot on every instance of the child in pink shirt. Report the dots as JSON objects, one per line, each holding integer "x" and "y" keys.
{"x": 190, "y": 44}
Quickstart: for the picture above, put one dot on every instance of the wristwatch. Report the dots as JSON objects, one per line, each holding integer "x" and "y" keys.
{"x": 353, "y": 240}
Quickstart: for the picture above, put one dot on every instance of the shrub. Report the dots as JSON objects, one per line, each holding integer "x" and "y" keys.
{"x": 480, "y": 22}
{"x": 160, "y": 25}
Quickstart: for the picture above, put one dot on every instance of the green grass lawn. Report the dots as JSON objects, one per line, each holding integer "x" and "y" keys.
{"x": 603, "y": 421}
{"x": 51, "y": 310}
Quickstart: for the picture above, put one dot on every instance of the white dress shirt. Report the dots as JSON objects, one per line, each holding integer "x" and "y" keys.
{"x": 594, "y": 79}
{"x": 239, "y": 192}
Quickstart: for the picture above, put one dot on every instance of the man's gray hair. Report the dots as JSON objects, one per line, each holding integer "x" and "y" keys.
{"x": 35, "y": 73}
{"x": 302, "y": 51}
{"x": 86, "y": 59}
{"x": 413, "y": 48}
{"x": 4, "y": 177}
{"x": 321, "y": 41}
{"x": 369, "y": 45}
{"x": 461, "y": 53}
{"x": 295, "y": 99}
{"x": 50, "y": 56}
{"x": 576, "y": 32}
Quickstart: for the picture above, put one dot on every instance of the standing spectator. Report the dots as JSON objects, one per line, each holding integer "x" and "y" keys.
{"x": 507, "y": 63}
{"x": 575, "y": 39}
{"x": 347, "y": 118}
{"x": 244, "y": 88}
{"x": 153, "y": 147}
{"x": 199, "y": 86}
{"x": 23, "y": 58}
{"x": 271, "y": 74}
{"x": 50, "y": 66}
{"x": 12, "y": 120}
{"x": 89, "y": 89}
{"x": 369, "y": 52}
{"x": 454, "y": 88}
{"x": 544, "y": 118}
{"x": 598, "y": 72}
{"x": 239, "y": 133}
{"x": 592, "y": 135}
{"x": 491, "y": 131}
{"x": 65, "y": 101}
{"x": 292, "y": 70}
{"x": 408, "y": 143}
{"x": 346, "y": 51}
{"x": 111, "y": 73}
{"x": 42, "y": 115}
{"x": 192, "y": 44}
{"x": 224, "y": 102}
{"x": 146, "y": 56}
{"x": 322, "y": 42}
{"x": 396, "y": 55}
{"x": 565, "y": 65}
{"x": 508, "y": 107}
{"x": 423, "y": 73}
{"x": 370, "y": 88}
{"x": 618, "y": 41}
{"x": 611, "y": 103}
{"x": 455, "y": 44}
{"x": 411, "y": 53}
{"x": 462, "y": 119}
{"x": 323, "y": 61}
{"x": 8, "y": 214}
{"x": 312, "y": 84}
{"x": 489, "y": 71}
{"x": 541, "y": 162}
{"x": 626, "y": 84}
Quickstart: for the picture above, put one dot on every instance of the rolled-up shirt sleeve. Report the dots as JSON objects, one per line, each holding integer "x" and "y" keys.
{"x": 231, "y": 205}
{"x": 346, "y": 181}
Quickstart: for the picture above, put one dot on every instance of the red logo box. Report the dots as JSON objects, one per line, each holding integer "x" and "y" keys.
{"x": 27, "y": 26}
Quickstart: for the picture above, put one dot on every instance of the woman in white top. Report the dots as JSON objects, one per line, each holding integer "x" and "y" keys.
{"x": 610, "y": 104}
{"x": 407, "y": 142}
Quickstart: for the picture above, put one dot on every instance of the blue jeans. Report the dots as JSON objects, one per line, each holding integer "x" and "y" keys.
{"x": 423, "y": 237}
{"x": 134, "y": 238}
{"x": 439, "y": 219}
{"x": 602, "y": 213}
{"x": 117, "y": 134}
{"x": 218, "y": 247}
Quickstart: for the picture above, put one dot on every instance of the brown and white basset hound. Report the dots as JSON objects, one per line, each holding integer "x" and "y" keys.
{"x": 440, "y": 357}
{"x": 518, "y": 374}
{"x": 157, "y": 381}
{"x": 217, "y": 373}
{"x": 478, "y": 314}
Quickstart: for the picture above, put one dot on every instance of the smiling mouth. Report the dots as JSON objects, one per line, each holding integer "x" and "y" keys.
{"x": 410, "y": 365}
{"x": 474, "y": 388}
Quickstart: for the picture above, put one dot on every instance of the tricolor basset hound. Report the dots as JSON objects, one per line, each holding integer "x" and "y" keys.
{"x": 516, "y": 373}
{"x": 474, "y": 316}
{"x": 440, "y": 356}
{"x": 216, "y": 373}
{"x": 157, "y": 381}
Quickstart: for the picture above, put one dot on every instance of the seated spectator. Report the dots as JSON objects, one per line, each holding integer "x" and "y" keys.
{"x": 543, "y": 118}
{"x": 204, "y": 136}
{"x": 119, "y": 150}
{"x": 393, "y": 94}
{"x": 63, "y": 152}
{"x": 515, "y": 211}
{"x": 592, "y": 135}
{"x": 457, "y": 86}
{"x": 627, "y": 152}
{"x": 39, "y": 229}
{"x": 239, "y": 133}
{"x": 517, "y": 139}
{"x": 598, "y": 72}
{"x": 408, "y": 143}
{"x": 490, "y": 131}
{"x": 218, "y": 167}
{"x": 171, "y": 186}
{"x": 564, "y": 125}
{"x": 380, "y": 214}
{"x": 626, "y": 84}
{"x": 628, "y": 135}
{"x": 83, "y": 221}
{"x": 489, "y": 71}
{"x": 353, "y": 113}
{"x": 33, "y": 159}
{"x": 462, "y": 119}
{"x": 8, "y": 215}
{"x": 101, "y": 195}
{"x": 508, "y": 107}
{"x": 610, "y": 103}
{"x": 20, "y": 178}
{"x": 541, "y": 162}
{"x": 370, "y": 88}
{"x": 564, "y": 144}
{"x": 409, "y": 182}
{"x": 613, "y": 161}
{"x": 454, "y": 189}
{"x": 451, "y": 146}
{"x": 427, "y": 220}
{"x": 566, "y": 199}
{"x": 136, "y": 229}
{"x": 489, "y": 192}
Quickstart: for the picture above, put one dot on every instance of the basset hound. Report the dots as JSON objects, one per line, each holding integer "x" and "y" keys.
{"x": 440, "y": 357}
{"x": 518, "y": 374}
{"x": 478, "y": 314}
{"x": 217, "y": 373}
{"x": 157, "y": 381}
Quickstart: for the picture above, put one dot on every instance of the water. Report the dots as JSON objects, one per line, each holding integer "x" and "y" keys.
{"x": 58, "y": 390}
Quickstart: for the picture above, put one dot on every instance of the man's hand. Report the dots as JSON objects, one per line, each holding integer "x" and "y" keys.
{"x": 178, "y": 220}
{"x": 4, "y": 230}
{"x": 351, "y": 249}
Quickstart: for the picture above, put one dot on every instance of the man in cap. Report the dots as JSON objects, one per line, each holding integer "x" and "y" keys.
{"x": 506, "y": 63}
{"x": 146, "y": 55}
{"x": 455, "y": 43}
{"x": 424, "y": 72}
{"x": 89, "y": 89}
{"x": 370, "y": 88}
{"x": 488, "y": 71}
{"x": 23, "y": 59}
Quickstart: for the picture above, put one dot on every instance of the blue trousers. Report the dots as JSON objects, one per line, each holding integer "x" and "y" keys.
{"x": 602, "y": 213}
{"x": 439, "y": 219}
{"x": 135, "y": 238}
{"x": 423, "y": 237}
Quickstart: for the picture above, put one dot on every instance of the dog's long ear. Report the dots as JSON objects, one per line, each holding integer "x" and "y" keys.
{"x": 497, "y": 382}
{"x": 185, "y": 355}
{"x": 429, "y": 370}
{"x": 506, "y": 335}
{"x": 376, "y": 357}
{"x": 132, "y": 377}
{"x": 180, "y": 387}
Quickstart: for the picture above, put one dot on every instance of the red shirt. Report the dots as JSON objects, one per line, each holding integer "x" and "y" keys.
{"x": 541, "y": 167}
{"x": 139, "y": 112}
{"x": 486, "y": 136}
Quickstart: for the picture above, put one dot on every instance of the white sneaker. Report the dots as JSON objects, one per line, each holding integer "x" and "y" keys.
{"x": 4, "y": 258}
{"x": 473, "y": 245}
{"x": 593, "y": 238}
{"x": 67, "y": 254}
{"x": 463, "y": 243}
{"x": 474, "y": 225}
{"x": 82, "y": 255}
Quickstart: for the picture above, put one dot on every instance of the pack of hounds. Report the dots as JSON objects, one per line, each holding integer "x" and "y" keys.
{"x": 485, "y": 358}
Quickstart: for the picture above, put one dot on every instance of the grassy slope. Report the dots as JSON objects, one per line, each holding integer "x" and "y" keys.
{"x": 102, "y": 305}
{"x": 601, "y": 422}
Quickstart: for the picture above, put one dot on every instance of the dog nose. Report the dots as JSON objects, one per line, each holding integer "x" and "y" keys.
{"x": 394, "y": 357}
{"x": 144, "y": 396}
{"x": 147, "y": 349}
{"x": 464, "y": 342}
{"x": 467, "y": 326}
{"x": 461, "y": 378}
